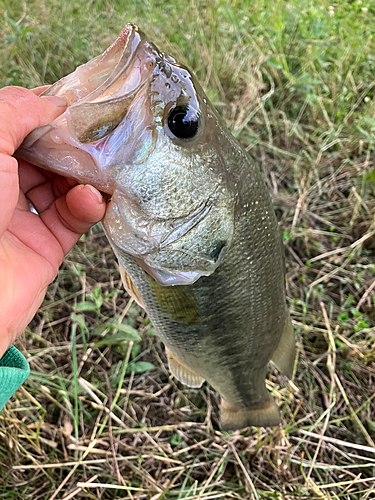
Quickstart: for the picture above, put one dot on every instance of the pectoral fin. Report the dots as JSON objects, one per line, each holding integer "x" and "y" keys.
{"x": 182, "y": 372}
{"x": 266, "y": 416}
{"x": 178, "y": 302}
{"x": 129, "y": 287}
{"x": 285, "y": 352}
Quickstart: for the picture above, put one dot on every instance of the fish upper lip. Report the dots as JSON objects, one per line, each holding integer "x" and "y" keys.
{"x": 131, "y": 39}
{"x": 119, "y": 56}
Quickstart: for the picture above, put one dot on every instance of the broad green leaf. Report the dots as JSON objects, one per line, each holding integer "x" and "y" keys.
{"x": 128, "y": 332}
{"x": 275, "y": 63}
{"x": 113, "y": 339}
{"x": 140, "y": 367}
{"x": 85, "y": 306}
{"x": 80, "y": 319}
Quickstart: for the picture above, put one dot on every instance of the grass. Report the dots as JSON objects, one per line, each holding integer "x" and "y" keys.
{"x": 100, "y": 417}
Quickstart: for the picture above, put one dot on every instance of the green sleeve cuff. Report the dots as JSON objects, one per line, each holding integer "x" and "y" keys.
{"x": 14, "y": 369}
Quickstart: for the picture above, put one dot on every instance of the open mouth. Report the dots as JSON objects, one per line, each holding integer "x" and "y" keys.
{"x": 107, "y": 75}
{"x": 101, "y": 92}
{"x": 107, "y": 115}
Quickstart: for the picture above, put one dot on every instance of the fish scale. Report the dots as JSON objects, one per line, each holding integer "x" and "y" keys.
{"x": 189, "y": 219}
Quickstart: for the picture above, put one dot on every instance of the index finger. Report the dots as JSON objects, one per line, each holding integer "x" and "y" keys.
{"x": 21, "y": 111}
{"x": 40, "y": 90}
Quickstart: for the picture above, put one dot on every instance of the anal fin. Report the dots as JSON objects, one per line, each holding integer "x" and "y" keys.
{"x": 266, "y": 416}
{"x": 182, "y": 372}
{"x": 285, "y": 352}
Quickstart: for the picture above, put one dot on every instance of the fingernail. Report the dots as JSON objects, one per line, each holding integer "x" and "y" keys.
{"x": 96, "y": 192}
{"x": 55, "y": 100}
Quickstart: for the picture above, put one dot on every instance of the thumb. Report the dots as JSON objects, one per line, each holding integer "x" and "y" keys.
{"x": 21, "y": 111}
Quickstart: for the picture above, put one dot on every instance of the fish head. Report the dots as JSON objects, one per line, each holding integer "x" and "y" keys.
{"x": 140, "y": 128}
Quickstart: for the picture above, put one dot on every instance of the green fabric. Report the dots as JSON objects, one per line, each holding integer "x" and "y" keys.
{"x": 14, "y": 369}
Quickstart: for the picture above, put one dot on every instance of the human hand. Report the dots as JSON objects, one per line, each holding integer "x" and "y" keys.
{"x": 33, "y": 246}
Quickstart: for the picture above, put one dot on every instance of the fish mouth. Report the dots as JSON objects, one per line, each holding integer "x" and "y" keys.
{"x": 107, "y": 113}
{"x": 95, "y": 80}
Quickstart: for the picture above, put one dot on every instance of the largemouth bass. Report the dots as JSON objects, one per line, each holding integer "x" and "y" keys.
{"x": 189, "y": 219}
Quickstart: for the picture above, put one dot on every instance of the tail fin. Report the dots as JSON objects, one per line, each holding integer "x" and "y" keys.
{"x": 266, "y": 416}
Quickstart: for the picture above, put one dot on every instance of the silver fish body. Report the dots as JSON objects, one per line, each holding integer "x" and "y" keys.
{"x": 190, "y": 219}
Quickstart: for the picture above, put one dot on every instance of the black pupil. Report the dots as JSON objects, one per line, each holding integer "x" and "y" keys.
{"x": 183, "y": 122}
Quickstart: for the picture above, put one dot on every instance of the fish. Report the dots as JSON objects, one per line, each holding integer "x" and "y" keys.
{"x": 189, "y": 219}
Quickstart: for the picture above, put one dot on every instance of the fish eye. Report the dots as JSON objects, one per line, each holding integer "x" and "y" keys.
{"x": 183, "y": 122}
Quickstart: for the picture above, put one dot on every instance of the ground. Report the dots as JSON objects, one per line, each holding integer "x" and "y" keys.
{"x": 100, "y": 417}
